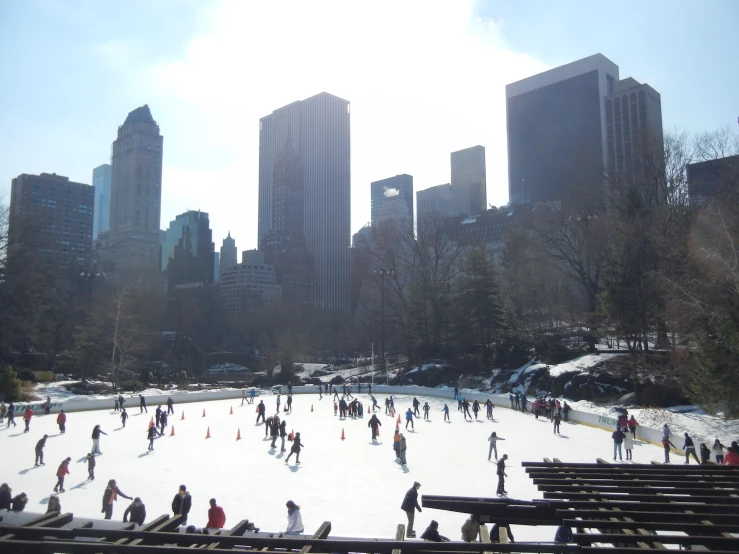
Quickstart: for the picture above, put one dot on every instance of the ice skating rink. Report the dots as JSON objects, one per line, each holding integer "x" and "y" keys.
{"x": 355, "y": 484}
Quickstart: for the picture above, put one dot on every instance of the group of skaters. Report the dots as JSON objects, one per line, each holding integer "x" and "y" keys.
{"x": 540, "y": 406}
{"x": 276, "y": 428}
{"x": 723, "y": 455}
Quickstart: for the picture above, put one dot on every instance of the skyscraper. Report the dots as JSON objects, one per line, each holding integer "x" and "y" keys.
{"x": 469, "y": 181}
{"x": 393, "y": 195}
{"x": 556, "y": 126}
{"x": 131, "y": 249}
{"x": 304, "y": 157}
{"x": 101, "y": 181}
{"x": 187, "y": 252}
{"x": 229, "y": 254}
{"x": 51, "y": 223}
{"x": 434, "y": 205}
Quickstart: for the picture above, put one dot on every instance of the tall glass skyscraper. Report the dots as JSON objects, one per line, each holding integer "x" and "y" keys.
{"x": 315, "y": 132}
{"x": 101, "y": 182}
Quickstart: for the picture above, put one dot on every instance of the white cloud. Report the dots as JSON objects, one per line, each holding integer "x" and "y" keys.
{"x": 423, "y": 78}
{"x": 390, "y": 192}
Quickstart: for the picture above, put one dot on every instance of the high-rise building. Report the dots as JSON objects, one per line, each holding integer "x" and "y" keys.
{"x": 249, "y": 284}
{"x": 304, "y": 158}
{"x": 51, "y": 223}
{"x": 101, "y": 176}
{"x": 711, "y": 177}
{"x": 363, "y": 237}
{"x": 469, "y": 181}
{"x": 556, "y": 125}
{"x": 187, "y": 252}
{"x": 392, "y": 197}
{"x": 229, "y": 254}
{"x": 216, "y": 267}
{"x": 633, "y": 125}
{"x": 434, "y": 205}
{"x": 131, "y": 247}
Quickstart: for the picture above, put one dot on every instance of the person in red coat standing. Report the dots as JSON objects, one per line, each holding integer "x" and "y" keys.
{"x": 216, "y": 516}
{"x": 61, "y": 421}
{"x": 61, "y": 473}
{"x": 732, "y": 455}
{"x": 27, "y": 415}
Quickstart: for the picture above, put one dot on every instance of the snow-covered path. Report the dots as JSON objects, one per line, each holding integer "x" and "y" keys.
{"x": 353, "y": 483}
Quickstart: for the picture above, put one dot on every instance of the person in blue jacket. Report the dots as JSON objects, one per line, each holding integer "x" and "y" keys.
{"x": 409, "y": 419}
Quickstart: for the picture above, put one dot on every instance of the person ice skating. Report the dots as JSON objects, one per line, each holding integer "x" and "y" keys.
{"x": 111, "y": 494}
{"x": 27, "y": 415}
{"x": 124, "y": 417}
{"x": 162, "y": 423}
{"x": 732, "y": 455}
{"x": 374, "y": 403}
{"x": 666, "y": 431}
{"x": 40, "y": 451}
{"x": 466, "y": 409}
{"x": 294, "y": 519}
{"x": 459, "y": 403}
{"x": 252, "y": 394}
{"x": 136, "y": 512}
{"x": 493, "y": 439}
{"x": 563, "y": 534}
{"x": 396, "y": 444}
{"x": 409, "y": 419}
{"x": 274, "y": 431}
{"x": 47, "y": 405}
{"x": 142, "y": 404}
{"x": 557, "y": 420}
{"x": 705, "y": 454}
{"x": 689, "y": 449}
{"x": 409, "y": 506}
{"x": 61, "y": 421}
{"x": 90, "y": 467}
{"x": 618, "y": 437}
{"x": 170, "y": 405}
{"x": 416, "y": 406}
{"x": 632, "y": 426}
{"x": 445, "y": 409}
{"x": 243, "y": 397}
{"x": 3, "y": 411}
{"x": 666, "y": 443}
{"x": 501, "y": 476}
{"x": 402, "y": 449}
{"x": 426, "y": 409}
{"x": 471, "y": 528}
{"x": 151, "y": 434}
{"x": 121, "y": 401}
{"x": 283, "y": 434}
{"x": 718, "y": 451}
{"x": 495, "y": 533}
{"x": 11, "y": 415}
{"x": 387, "y": 406}
{"x": 475, "y": 408}
{"x": 489, "y": 407}
{"x": 289, "y": 388}
{"x": 566, "y": 412}
{"x": 216, "y": 516}
{"x": 6, "y": 494}
{"x": 278, "y": 404}
{"x": 268, "y": 426}
{"x": 295, "y": 449}
{"x": 623, "y": 422}
{"x": 96, "y": 432}
{"x": 181, "y": 503}
{"x": 432, "y": 533}
{"x": 374, "y": 423}
{"x": 524, "y": 401}
{"x": 61, "y": 473}
{"x": 157, "y": 415}
{"x": 19, "y": 502}
{"x": 628, "y": 445}
{"x": 260, "y": 411}
{"x": 289, "y": 404}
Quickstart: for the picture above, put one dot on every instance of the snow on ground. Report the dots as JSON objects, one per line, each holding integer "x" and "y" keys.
{"x": 355, "y": 484}
{"x": 580, "y": 364}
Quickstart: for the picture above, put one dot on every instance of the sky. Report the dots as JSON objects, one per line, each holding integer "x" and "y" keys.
{"x": 424, "y": 78}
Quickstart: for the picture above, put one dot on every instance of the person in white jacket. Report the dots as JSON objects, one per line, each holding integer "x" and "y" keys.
{"x": 294, "y": 521}
{"x": 718, "y": 451}
{"x": 493, "y": 439}
{"x": 629, "y": 446}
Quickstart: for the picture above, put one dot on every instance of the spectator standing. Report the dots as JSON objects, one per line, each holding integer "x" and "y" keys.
{"x": 409, "y": 506}
{"x": 216, "y": 516}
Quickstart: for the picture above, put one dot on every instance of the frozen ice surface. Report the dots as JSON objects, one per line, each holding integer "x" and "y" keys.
{"x": 355, "y": 484}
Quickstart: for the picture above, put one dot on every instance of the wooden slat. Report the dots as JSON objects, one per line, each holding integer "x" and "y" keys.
{"x": 485, "y": 537}
{"x": 399, "y": 537}
{"x": 716, "y": 501}
{"x": 649, "y": 525}
{"x": 322, "y": 532}
{"x": 236, "y": 531}
{"x": 614, "y": 538}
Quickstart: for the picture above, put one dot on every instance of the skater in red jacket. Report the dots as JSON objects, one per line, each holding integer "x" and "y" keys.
{"x": 61, "y": 473}
{"x": 61, "y": 421}
{"x": 216, "y": 516}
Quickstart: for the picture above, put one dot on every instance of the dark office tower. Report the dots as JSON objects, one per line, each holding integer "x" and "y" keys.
{"x": 557, "y": 132}
{"x": 51, "y": 224}
{"x": 229, "y": 254}
{"x": 392, "y": 199}
{"x": 469, "y": 183}
{"x": 101, "y": 176}
{"x": 187, "y": 252}
{"x": 131, "y": 248}
{"x": 712, "y": 178}
{"x": 434, "y": 206}
{"x": 316, "y": 130}
{"x": 633, "y": 126}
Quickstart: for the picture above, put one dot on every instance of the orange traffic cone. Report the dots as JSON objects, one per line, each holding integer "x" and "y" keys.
{"x": 232, "y": 411}
{"x": 238, "y": 435}
{"x": 183, "y": 415}
{"x": 207, "y": 435}
{"x": 311, "y": 407}
{"x": 171, "y": 433}
{"x": 203, "y": 412}
{"x": 342, "y": 434}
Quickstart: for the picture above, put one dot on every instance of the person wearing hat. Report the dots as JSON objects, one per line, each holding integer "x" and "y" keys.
{"x": 501, "y": 475}
{"x": 216, "y": 516}
{"x": 432, "y": 533}
{"x": 294, "y": 519}
{"x": 409, "y": 506}
{"x": 54, "y": 505}
{"x": 137, "y": 512}
{"x": 181, "y": 503}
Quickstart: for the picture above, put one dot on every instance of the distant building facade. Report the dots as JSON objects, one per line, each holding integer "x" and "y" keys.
{"x": 304, "y": 159}
{"x": 707, "y": 179}
{"x": 363, "y": 237}
{"x": 434, "y": 204}
{"x": 392, "y": 200}
{"x": 187, "y": 252}
{"x": 469, "y": 181}
{"x": 249, "y": 284}
{"x": 101, "y": 177}
{"x": 229, "y": 255}
{"x": 131, "y": 248}
{"x": 51, "y": 223}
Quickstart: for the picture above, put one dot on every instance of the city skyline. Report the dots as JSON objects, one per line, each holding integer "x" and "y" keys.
{"x": 180, "y": 70}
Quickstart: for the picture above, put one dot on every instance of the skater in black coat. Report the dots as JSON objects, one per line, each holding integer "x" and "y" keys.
{"x": 181, "y": 503}
{"x": 295, "y": 449}
{"x": 111, "y": 494}
{"x": 274, "y": 431}
{"x": 557, "y": 421}
{"x": 124, "y": 417}
{"x": 54, "y": 505}
{"x": 137, "y": 511}
{"x": 374, "y": 423}
{"x": 689, "y": 449}
{"x": 283, "y": 434}
{"x": 432, "y": 533}
{"x": 158, "y": 415}
{"x": 260, "y": 411}
{"x": 90, "y": 467}
{"x": 5, "y": 495}
{"x": 416, "y": 406}
{"x": 162, "y": 423}
{"x": 502, "y": 475}
{"x": 495, "y": 533}
{"x": 19, "y": 502}
{"x": 170, "y": 406}
{"x": 268, "y": 425}
{"x": 151, "y": 435}
{"x": 142, "y": 404}
{"x": 40, "y": 451}
{"x": 409, "y": 506}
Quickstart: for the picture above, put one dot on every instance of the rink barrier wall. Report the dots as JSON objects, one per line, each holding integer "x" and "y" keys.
{"x": 606, "y": 423}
